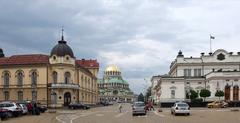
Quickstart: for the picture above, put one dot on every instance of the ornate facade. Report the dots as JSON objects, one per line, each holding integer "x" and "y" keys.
{"x": 113, "y": 88}
{"x": 55, "y": 80}
{"x": 214, "y": 71}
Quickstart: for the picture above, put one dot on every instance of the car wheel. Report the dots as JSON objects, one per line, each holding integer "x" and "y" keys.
{"x": 188, "y": 114}
{"x": 175, "y": 114}
{"x": 133, "y": 114}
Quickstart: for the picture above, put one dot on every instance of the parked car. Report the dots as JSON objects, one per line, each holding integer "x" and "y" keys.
{"x": 138, "y": 108}
{"x": 14, "y": 108}
{"x": 217, "y": 104}
{"x": 104, "y": 103}
{"x": 41, "y": 107}
{"x": 4, "y": 114}
{"x": 24, "y": 108}
{"x": 78, "y": 106}
{"x": 180, "y": 108}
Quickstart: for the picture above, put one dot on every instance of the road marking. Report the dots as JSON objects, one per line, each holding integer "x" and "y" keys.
{"x": 121, "y": 114}
{"x": 161, "y": 115}
{"x": 82, "y": 115}
{"x": 61, "y": 121}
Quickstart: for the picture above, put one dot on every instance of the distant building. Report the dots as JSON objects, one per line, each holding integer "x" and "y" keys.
{"x": 112, "y": 87}
{"x": 215, "y": 71}
{"x": 54, "y": 80}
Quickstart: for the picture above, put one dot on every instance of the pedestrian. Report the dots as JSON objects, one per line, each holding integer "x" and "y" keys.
{"x": 120, "y": 108}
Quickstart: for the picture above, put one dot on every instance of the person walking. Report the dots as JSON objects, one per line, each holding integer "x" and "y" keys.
{"x": 120, "y": 108}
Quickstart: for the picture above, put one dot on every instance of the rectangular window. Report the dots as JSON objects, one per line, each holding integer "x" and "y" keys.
{"x": 34, "y": 95}
{"x": 187, "y": 72}
{"x": 6, "y": 95}
{"x": 197, "y": 72}
{"x": 20, "y": 96}
{"x": 172, "y": 93}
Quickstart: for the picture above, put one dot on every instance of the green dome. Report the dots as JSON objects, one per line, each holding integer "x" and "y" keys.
{"x": 116, "y": 80}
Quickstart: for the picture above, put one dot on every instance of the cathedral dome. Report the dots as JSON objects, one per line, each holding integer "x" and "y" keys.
{"x": 112, "y": 68}
{"x": 62, "y": 49}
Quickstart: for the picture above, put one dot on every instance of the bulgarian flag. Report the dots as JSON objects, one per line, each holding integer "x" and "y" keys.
{"x": 212, "y": 37}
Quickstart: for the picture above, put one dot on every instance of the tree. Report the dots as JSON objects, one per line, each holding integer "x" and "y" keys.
{"x": 219, "y": 94}
{"x": 193, "y": 94}
{"x": 205, "y": 93}
{"x": 141, "y": 97}
{"x": 148, "y": 93}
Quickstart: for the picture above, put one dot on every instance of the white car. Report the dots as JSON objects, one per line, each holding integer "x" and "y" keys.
{"x": 24, "y": 108}
{"x": 138, "y": 108}
{"x": 14, "y": 108}
{"x": 180, "y": 108}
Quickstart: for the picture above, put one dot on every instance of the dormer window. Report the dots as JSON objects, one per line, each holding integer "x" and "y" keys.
{"x": 54, "y": 58}
{"x": 67, "y": 58}
{"x": 220, "y": 56}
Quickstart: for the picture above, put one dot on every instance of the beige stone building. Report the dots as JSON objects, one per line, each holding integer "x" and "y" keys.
{"x": 55, "y": 80}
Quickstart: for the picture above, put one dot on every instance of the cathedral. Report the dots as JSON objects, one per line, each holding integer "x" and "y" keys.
{"x": 113, "y": 88}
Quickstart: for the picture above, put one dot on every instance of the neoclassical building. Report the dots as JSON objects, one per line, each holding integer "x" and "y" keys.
{"x": 214, "y": 71}
{"x": 55, "y": 80}
{"x": 112, "y": 87}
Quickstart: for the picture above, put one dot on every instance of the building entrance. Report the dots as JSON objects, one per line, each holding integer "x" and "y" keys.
{"x": 67, "y": 98}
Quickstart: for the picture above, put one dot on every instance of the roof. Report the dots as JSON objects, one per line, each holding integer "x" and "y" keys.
{"x": 88, "y": 63}
{"x": 25, "y": 59}
{"x": 62, "y": 49}
{"x": 117, "y": 80}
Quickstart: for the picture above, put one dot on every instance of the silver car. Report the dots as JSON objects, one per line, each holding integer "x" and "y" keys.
{"x": 138, "y": 108}
{"x": 180, "y": 108}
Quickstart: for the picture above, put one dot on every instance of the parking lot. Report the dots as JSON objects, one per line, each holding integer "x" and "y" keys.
{"x": 110, "y": 114}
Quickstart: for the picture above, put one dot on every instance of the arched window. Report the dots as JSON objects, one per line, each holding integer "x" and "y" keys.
{"x": 19, "y": 78}
{"x": 34, "y": 78}
{"x": 235, "y": 93}
{"x": 6, "y": 77}
{"x": 67, "y": 76}
{"x": 227, "y": 92}
{"x": 55, "y": 76}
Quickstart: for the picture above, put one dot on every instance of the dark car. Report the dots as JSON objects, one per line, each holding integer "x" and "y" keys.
{"x": 4, "y": 114}
{"x": 78, "y": 106}
{"x": 41, "y": 108}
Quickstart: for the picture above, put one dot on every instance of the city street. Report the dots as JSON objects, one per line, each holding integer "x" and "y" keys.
{"x": 110, "y": 114}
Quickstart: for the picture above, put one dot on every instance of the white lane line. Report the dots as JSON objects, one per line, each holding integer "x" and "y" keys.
{"x": 120, "y": 114}
{"x": 58, "y": 119}
{"x": 82, "y": 115}
{"x": 161, "y": 115}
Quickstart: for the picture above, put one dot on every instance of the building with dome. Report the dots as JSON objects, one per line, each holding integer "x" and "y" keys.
{"x": 112, "y": 87}
{"x": 55, "y": 80}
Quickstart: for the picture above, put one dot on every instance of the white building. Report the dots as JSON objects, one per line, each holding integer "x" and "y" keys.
{"x": 215, "y": 71}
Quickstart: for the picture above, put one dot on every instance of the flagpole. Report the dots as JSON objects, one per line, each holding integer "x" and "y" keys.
{"x": 210, "y": 44}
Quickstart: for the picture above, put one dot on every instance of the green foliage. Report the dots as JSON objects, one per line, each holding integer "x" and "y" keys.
{"x": 205, "y": 93}
{"x": 219, "y": 93}
{"x": 193, "y": 95}
{"x": 141, "y": 97}
{"x": 148, "y": 93}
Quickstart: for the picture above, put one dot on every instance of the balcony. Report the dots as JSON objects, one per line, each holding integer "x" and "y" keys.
{"x": 64, "y": 86}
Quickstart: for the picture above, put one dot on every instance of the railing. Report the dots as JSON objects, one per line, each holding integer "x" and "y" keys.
{"x": 64, "y": 85}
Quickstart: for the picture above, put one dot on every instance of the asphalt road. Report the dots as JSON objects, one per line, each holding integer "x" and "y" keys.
{"x": 110, "y": 114}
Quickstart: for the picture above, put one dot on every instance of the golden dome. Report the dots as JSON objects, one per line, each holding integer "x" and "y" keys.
{"x": 112, "y": 68}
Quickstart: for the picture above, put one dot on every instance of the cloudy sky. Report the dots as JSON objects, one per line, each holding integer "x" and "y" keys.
{"x": 142, "y": 37}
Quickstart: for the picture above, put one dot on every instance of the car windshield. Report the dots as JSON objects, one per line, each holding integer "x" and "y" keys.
{"x": 182, "y": 105}
{"x": 139, "y": 104}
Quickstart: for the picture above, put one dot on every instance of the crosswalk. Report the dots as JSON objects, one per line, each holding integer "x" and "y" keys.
{"x": 68, "y": 117}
